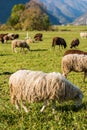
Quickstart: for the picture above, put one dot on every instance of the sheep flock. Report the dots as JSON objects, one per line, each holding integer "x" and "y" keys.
{"x": 38, "y": 86}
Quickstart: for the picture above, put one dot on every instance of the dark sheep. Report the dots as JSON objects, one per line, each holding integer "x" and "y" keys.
{"x": 74, "y": 43}
{"x": 59, "y": 41}
{"x": 38, "y": 37}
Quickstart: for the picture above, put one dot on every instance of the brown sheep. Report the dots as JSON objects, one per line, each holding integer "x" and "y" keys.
{"x": 74, "y": 43}
{"x": 38, "y": 37}
{"x": 59, "y": 41}
{"x": 74, "y": 52}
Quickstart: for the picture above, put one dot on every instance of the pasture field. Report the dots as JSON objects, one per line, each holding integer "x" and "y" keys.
{"x": 41, "y": 57}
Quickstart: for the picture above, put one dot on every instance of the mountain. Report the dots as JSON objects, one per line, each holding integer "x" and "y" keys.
{"x": 65, "y": 11}
{"x": 82, "y": 20}
{"x": 6, "y": 7}
{"x": 59, "y": 11}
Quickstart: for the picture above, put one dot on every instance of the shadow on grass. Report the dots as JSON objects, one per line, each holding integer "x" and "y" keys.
{"x": 39, "y": 50}
{"x": 5, "y": 54}
{"x": 6, "y": 73}
{"x": 72, "y": 108}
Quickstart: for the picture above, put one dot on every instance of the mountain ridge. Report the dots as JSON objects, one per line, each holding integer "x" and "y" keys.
{"x": 82, "y": 20}
{"x": 65, "y": 11}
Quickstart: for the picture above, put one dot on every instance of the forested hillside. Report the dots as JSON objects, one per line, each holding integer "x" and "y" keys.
{"x": 30, "y": 16}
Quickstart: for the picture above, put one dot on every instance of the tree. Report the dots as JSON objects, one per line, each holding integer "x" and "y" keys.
{"x": 31, "y": 16}
{"x": 15, "y": 14}
{"x": 34, "y": 17}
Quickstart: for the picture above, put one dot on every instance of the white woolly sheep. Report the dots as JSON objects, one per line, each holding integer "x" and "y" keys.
{"x": 74, "y": 62}
{"x": 37, "y": 86}
{"x": 19, "y": 43}
{"x": 83, "y": 34}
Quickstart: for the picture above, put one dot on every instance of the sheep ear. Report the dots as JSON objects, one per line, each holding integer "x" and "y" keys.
{"x": 80, "y": 96}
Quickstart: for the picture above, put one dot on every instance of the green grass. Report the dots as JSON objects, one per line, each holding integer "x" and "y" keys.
{"x": 41, "y": 57}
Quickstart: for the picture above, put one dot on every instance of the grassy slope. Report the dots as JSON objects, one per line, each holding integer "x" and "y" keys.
{"x": 42, "y": 57}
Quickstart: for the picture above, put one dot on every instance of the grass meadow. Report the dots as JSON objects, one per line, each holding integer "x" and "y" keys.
{"x": 41, "y": 57}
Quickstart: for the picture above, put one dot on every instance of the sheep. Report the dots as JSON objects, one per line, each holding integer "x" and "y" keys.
{"x": 74, "y": 51}
{"x": 19, "y": 43}
{"x": 10, "y": 36}
{"x": 59, "y": 41}
{"x": 83, "y": 34}
{"x": 37, "y": 86}
{"x": 38, "y": 37}
{"x": 74, "y": 43}
{"x": 74, "y": 62}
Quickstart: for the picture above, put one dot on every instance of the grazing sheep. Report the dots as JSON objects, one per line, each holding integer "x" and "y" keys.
{"x": 37, "y": 86}
{"x": 74, "y": 43}
{"x": 7, "y": 37}
{"x": 83, "y": 34}
{"x": 74, "y": 62}
{"x": 59, "y": 41}
{"x": 74, "y": 52}
{"x": 19, "y": 43}
{"x": 10, "y": 36}
{"x": 38, "y": 37}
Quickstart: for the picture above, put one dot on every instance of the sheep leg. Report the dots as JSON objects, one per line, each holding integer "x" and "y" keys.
{"x": 12, "y": 49}
{"x": 17, "y": 105}
{"x": 44, "y": 106}
{"x": 25, "y": 108}
{"x": 53, "y": 106}
{"x": 59, "y": 47}
{"x": 28, "y": 49}
{"x": 15, "y": 101}
{"x": 15, "y": 50}
{"x": 21, "y": 49}
{"x": 22, "y": 106}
